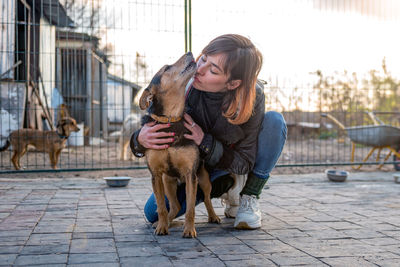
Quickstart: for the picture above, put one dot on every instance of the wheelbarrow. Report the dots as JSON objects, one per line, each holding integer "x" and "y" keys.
{"x": 377, "y": 136}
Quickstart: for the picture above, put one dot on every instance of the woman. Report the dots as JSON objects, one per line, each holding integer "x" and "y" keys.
{"x": 225, "y": 115}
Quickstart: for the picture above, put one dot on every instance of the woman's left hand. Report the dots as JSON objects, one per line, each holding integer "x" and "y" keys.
{"x": 197, "y": 133}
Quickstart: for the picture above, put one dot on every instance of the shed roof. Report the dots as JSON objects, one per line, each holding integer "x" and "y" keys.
{"x": 122, "y": 81}
{"x": 54, "y": 12}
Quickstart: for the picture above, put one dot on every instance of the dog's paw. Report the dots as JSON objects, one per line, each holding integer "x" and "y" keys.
{"x": 189, "y": 233}
{"x": 214, "y": 219}
{"x": 161, "y": 229}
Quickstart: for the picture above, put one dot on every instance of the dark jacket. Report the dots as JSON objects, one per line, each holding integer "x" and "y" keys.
{"x": 225, "y": 146}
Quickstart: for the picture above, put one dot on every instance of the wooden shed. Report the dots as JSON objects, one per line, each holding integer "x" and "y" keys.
{"x": 81, "y": 77}
{"x": 27, "y": 61}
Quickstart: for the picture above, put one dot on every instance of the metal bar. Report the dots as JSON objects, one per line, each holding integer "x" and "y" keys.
{"x": 190, "y": 25}
{"x": 186, "y": 26}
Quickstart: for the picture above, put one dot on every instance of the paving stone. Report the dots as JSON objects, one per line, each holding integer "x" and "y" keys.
{"x": 230, "y": 249}
{"x": 211, "y": 240}
{"x": 208, "y": 261}
{"x": 347, "y": 261}
{"x": 250, "y": 262}
{"x": 49, "y": 239}
{"x": 92, "y": 258}
{"x": 45, "y": 250}
{"x": 104, "y": 264}
{"x": 306, "y": 221}
{"x": 7, "y": 259}
{"x": 268, "y": 246}
{"x": 156, "y": 260}
{"x": 94, "y": 235}
{"x": 92, "y": 246}
{"x": 40, "y": 259}
{"x": 282, "y": 259}
{"x": 133, "y": 249}
{"x": 134, "y": 238}
{"x": 384, "y": 241}
{"x": 10, "y": 249}
{"x": 13, "y": 240}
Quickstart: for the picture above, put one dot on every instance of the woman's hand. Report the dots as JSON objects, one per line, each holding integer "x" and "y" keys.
{"x": 150, "y": 138}
{"x": 197, "y": 133}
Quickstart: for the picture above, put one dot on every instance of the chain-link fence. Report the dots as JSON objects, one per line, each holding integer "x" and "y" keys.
{"x": 89, "y": 60}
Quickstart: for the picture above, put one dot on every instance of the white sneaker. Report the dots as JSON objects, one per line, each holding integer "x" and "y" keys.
{"x": 249, "y": 214}
{"x": 231, "y": 199}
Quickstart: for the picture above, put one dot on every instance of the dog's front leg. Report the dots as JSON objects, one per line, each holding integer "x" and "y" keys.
{"x": 52, "y": 157}
{"x": 158, "y": 189}
{"x": 191, "y": 191}
{"x": 170, "y": 185}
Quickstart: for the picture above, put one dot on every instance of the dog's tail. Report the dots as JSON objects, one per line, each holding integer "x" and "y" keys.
{"x": 5, "y": 146}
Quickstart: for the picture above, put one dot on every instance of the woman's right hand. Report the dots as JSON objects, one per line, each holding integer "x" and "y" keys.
{"x": 149, "y": 137}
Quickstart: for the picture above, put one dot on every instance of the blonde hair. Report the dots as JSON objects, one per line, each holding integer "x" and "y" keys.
{"x": 242, "y": 61}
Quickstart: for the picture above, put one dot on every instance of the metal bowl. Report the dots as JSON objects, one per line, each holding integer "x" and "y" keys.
{"x": 396, "y": 177}
{"x": 337, "y": 175}
{"x": 117, "y": 181}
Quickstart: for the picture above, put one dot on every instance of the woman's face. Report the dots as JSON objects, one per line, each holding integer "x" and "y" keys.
{"x": 210, "y": 76}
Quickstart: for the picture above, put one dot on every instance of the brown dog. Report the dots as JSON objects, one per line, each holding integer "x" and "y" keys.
{"x": 180, "y": 162}
{"x": 46, "y": 141}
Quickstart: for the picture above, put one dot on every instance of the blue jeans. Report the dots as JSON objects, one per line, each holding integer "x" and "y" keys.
{"x": 271, "y": 140}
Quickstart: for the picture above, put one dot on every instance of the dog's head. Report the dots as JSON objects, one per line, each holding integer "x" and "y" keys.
{"x": 67, "y": 125}
{"x": 167, "y": 88}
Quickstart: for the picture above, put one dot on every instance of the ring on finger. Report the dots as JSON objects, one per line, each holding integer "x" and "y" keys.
{"x": 193, "y": 124}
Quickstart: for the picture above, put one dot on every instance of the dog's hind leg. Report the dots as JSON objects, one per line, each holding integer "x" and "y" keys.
{"x": 53, "y": 160}
{"x": 15, "y": 159}
{"x": 170, "y": 185}
{"x": 158, "y": 189}
{"x": 191, "y": 191}
{"x": 205, "y": 185}
{"x": 18, "y": 154}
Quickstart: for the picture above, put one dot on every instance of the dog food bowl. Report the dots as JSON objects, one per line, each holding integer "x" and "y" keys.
{"x": 117, "y": 181}
{"x": 337, "y": 175}
{"x": 396, "y": 177}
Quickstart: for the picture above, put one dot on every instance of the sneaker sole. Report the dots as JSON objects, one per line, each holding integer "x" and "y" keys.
{"x": 245, "y": 225}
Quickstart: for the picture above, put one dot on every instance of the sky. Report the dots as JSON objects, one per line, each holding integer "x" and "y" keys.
{"x": 296, "y": 37}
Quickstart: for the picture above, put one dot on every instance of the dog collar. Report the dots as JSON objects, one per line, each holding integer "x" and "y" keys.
{"x": 62, "y": 136}
{"x": 165, "y": 119}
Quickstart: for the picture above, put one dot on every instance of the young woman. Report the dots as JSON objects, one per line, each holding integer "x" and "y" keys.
{"x": 225, "y": 113}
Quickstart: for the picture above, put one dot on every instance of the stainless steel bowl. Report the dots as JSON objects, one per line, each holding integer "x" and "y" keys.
{"x": 337, "y": 175}
{"x": 396, "y": 177}
{"x": 117, "y": 181}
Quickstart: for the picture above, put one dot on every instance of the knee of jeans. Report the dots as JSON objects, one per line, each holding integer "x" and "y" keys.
{"x": 150, "y": 209}
{"x": 275, "y": 120}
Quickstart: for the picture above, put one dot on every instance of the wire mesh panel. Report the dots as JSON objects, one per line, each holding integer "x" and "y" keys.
{"x": 90, "y": 59}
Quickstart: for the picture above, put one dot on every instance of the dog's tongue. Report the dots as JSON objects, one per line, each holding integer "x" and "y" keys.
{"x": 188, "y": 86}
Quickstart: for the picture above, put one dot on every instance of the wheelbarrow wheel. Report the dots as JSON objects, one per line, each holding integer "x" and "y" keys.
{"x": 397, "y": 161}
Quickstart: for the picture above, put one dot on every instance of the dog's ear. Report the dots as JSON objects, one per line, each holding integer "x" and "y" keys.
{"x": 145, "y": 99}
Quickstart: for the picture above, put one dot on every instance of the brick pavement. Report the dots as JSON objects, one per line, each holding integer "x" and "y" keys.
{"x": 307, "y": 220}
